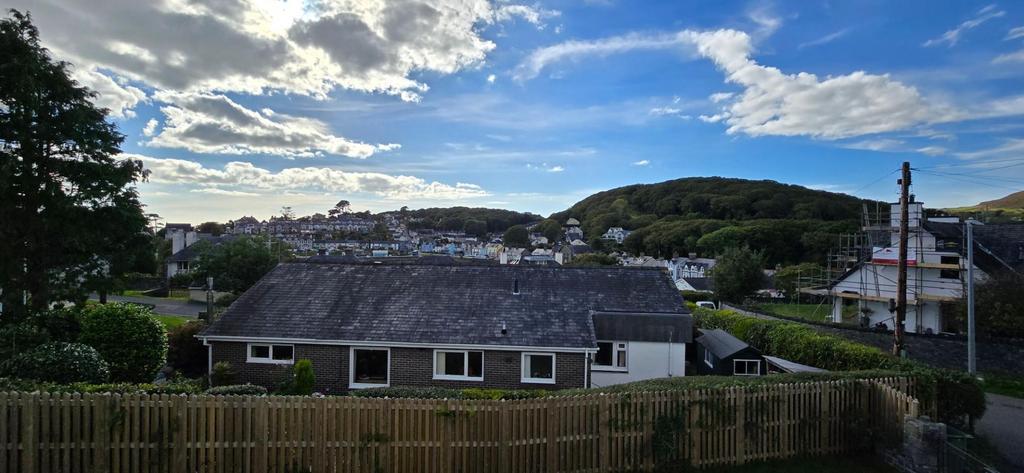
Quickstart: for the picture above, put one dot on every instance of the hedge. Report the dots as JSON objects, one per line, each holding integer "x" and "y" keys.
{"x": 446, "y": 393}
{"x": 185, "y": 386}
{"x": 58, "y": 362}
{"x": 238, "y": 390}
{"x": 956, "y": 394}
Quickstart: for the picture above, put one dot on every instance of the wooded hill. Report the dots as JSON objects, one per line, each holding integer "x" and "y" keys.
{"x": 705, "y": 215}
{"x": 1006, "y": 209}
{"x": 473, "y": 220}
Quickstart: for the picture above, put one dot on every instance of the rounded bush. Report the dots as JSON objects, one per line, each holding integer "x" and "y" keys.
{"x": 304, "y": 378}
{"x": 185, "y": 352}
{"x": 129, "y": 339}
{"x": 238, "y": 390}
{"x": 59, "y": 362}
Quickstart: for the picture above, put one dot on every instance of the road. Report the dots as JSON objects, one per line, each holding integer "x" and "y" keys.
{"x": 1003, "y": 427}
{"x": 163, "y": 305}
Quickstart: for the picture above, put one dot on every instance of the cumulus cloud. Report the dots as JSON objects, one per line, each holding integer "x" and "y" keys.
{"x": 246, "y": 177}
{"x": 669, "y": 112}
{"x": 952, "y": 37}
{"x": 211, "y": 123}
{"x": 534, "y": 15}
{"x": 491, "y": 78}
{"x": 642, "y": 162}
{"x": 254, "y": 46}
{"x": 150, "y": 127}
{"x": 119, "y": 99}
{"x": 772, "y": 102}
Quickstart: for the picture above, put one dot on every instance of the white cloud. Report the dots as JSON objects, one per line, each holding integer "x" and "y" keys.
{"x": 883, "y": 144}
{"x": 119, "y": 99}
{"x": 491, "y": 78}
{"x": 224, "y": 192}
{"x": 772, "y": 103}
{"x": 642, "y": 162}
{"x": 765, "y": 18}
{"x": 1016, "y": 56}
{"x": 545, "y": 167}
{"x": 825, "y": 39}
{"x": 952, "y": 36}
{"x": 932, "y": 150}
{"x": 534, "y": 15}
{"x": 720, "y": 96}
{"x": 1011, "y": 147}
{"x": 556, "y": 169}
{"x": 209, "y": 123}
{"x": 243, "y": 177}
{"x": 669, "y": 112}
{"x": 1015, "y": 33}
{"x": 150, "y": 127}
{"x": 256, "y": 46}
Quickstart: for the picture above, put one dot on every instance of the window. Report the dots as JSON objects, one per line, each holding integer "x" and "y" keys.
{"x": 370, "y": 367}
{"x": 267, "y": 353}
{"x": 611, "y": 356}
{"x": 462, "y": 365}
{"x": 950, "y": 273}
{"x": 746, "y": 367}
{"x": 709, "y": 358}
{"x": 539, "y": 368}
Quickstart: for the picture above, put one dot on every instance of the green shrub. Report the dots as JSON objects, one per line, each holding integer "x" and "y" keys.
{"x": 58, "y": 362}
{"x": 223, "y": 374}
{"x": 180, "y": 281}
{"x": 225, "y": 300}
{"x": 955, "y": 394}
{"x": 63, "y": 324}
{"x": 185, "y": 352}
{"x": 398, "y": 392}
{"x": 697, "y": 296}
{"x": 185, "y": 386}
{"x": 20, "y": 337}
{"x": 129, "y": 339}
{"x": 304, "y": 379}
{"x": 238, "y": 390}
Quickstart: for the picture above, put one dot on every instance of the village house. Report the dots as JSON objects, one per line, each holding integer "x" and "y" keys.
{"x": 454, "y": 325}
{"x": 936, "y": 270}
{"x": 572, "y": 230}
{"x": 616, "y": 234}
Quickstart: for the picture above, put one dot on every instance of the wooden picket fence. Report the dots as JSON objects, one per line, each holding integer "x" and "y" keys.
{"x": 46, "y": 433}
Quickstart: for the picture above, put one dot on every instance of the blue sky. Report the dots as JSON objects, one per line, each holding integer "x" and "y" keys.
{"x": 239, "y": 107}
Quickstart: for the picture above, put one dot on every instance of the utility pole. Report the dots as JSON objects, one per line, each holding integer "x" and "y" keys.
{"x": 209, "y": 299}
{"x": 972, "y": 367}
{"x": 901, "y": 274}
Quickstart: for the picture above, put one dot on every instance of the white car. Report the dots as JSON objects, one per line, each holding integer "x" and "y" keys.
{"x": 707, "y": 305}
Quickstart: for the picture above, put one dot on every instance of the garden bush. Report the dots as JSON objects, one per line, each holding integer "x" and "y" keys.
{"x": 129, "y": 339}
{"x": 304, "y": 378}
{"x": 58, "y": 362}
{"x": 223, "y": 374}
{"x": 447, "y": 393}
{"x": 955, "y": 395}
{"x": 238, "y": 390}
{"x": 185, "y": 352}
{"x": 184, "y": 386}
{"x": 697, "y": 296}
{"x": 20, "y": 337}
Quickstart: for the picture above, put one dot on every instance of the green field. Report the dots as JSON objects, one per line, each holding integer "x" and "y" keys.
{"x": 811, "y": 312}
{"x": 172, "y": 321}
{"x": 863, "y": 464}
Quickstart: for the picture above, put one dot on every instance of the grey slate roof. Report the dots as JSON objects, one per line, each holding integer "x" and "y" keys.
{"x": 701, "y": 284}
{"x": 442, "y": 304}
{"x": 634, "y": 327}
{"x": 721, "y": 343}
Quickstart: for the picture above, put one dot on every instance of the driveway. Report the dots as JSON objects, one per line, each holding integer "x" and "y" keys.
{"x": 1003, "y": 427}
{"x": 163, "y": 305}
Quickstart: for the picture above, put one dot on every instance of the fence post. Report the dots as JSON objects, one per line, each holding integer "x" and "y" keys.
{"x": 259, "y": 461}
{"x": 180, "y": 408}
{"x": 552, "y": 435}
{"x": 28, "y": 433}
{"x": 604, "y": 438}
{"x": 101, "y": 430}
{"x": 741, "y": 424}
{"x": 825, "y": 433}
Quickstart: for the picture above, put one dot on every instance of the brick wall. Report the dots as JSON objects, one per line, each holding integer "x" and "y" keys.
{"x": 409, "y": 367}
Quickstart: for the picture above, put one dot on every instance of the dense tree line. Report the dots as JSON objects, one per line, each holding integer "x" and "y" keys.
{"x": 707, "y": 215}
{"x": 474, "y": 221}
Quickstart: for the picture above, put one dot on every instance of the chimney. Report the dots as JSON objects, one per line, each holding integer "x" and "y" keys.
{"x": 504, "y": 329}
{"x": 503, "y": 257}
{"x": 515, "y": 286}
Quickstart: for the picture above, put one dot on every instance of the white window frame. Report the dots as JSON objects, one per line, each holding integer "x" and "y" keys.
{"x": 465, "y": 366}
{"x": 270, "y": 352}
{"x": 615, "y": 357}
{"x": 523, "y": 372}
{"x": 708, "y": 356}
{"x": 352, "y": 384}
{"x": 756, "y": 363}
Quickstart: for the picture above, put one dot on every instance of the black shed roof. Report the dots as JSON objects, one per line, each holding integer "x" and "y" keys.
{"x": 442, "y": 304}
{"x": 721, "y": 343}
{"x": 643, "y": 327}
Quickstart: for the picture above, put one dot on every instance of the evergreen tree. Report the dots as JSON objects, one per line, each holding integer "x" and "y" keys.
{"x": 68, "y": 205}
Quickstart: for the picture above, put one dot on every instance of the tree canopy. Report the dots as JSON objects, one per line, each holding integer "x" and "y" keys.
{"x": 706, "y": 215}
{"x": 464, "y": 218}
{"x": 517, "y": 237}
{"x": 238, "y": 263}
{"x": 69, "y": 205}
{"x": 738, "y": 273}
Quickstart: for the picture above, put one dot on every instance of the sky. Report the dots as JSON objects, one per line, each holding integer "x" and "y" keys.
{"x": 240, "y": 107}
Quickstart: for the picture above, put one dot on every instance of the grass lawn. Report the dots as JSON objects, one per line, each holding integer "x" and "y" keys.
{"x": 865, "y": 464}
{"x": 171, "y": 321}
{"x": 1005, "y": 384}
{"x": 812, "y": 312}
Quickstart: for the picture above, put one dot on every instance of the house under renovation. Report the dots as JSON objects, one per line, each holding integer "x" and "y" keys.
{"x": 936, "y": 269}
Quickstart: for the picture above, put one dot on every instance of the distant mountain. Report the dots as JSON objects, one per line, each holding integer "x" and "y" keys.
{"x": 1012, "y": 201}
{"x": 789, "y": 223}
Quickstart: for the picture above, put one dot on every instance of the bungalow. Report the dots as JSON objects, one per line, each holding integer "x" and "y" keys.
{"x": 455, "y": 326}
{"x": 719, "y": 353}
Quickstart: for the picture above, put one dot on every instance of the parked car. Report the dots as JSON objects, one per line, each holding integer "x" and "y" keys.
{"x": 707, "y": 305}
